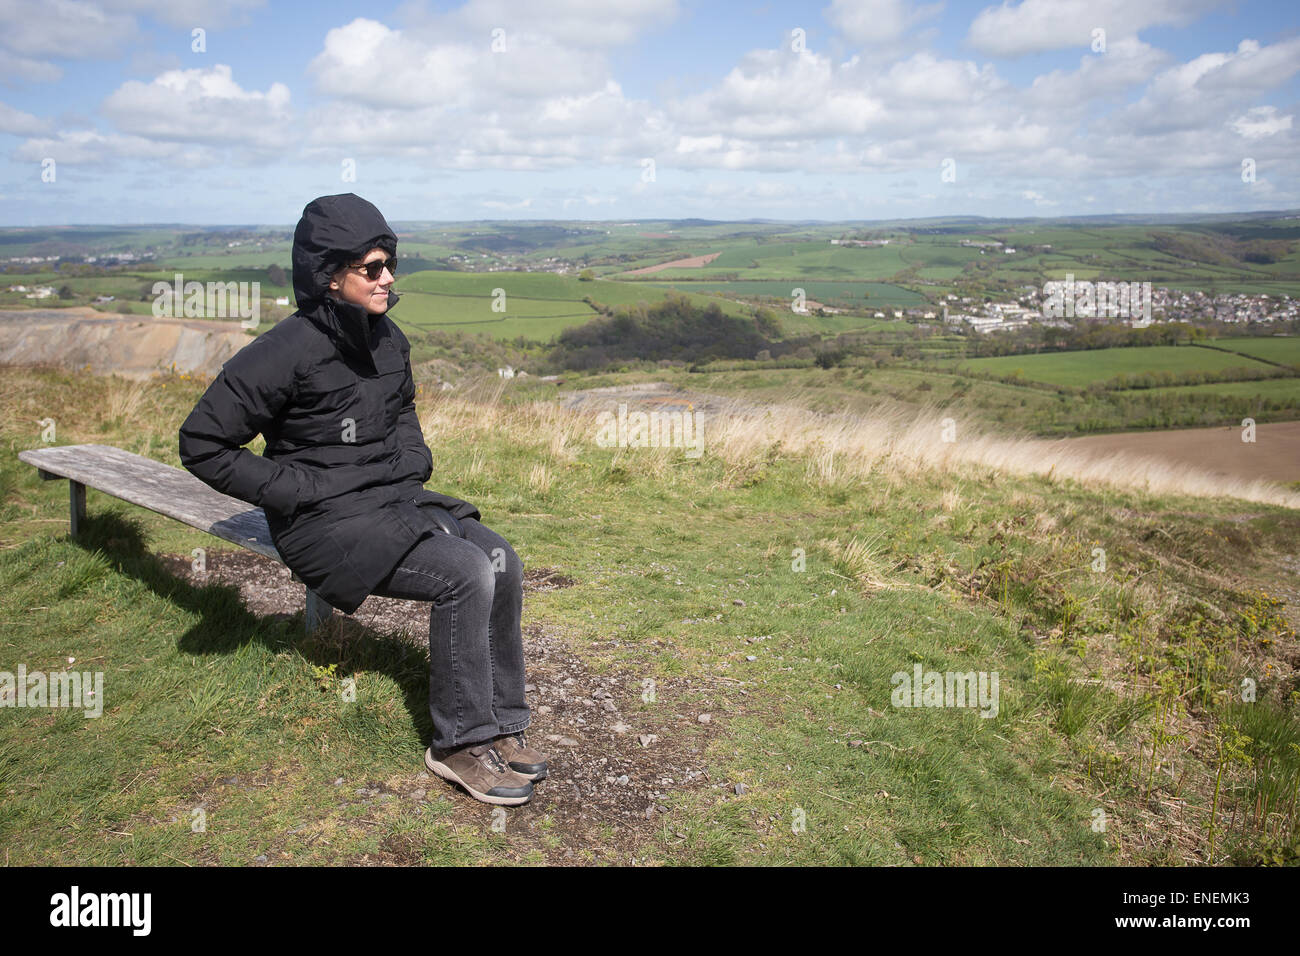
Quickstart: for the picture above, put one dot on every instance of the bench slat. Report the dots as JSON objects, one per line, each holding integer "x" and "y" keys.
{"x": 159, "y": 487}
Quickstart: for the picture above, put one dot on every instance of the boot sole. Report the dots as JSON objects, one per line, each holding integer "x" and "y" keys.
{"x": 446, "y": 773}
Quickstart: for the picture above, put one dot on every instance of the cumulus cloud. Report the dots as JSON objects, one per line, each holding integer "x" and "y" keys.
{"x": 92, "y": 147}
{"x": 1033, "y": 26}
{"x": 1261, "y": 121}
{"x": 583, "y": 24}
{"x": 201, "y": 106}
{"x": 19, "y": 123}
{"x": 875, "y": 23}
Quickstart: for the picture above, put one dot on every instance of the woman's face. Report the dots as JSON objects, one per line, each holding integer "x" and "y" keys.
{"x": 351, "y": 284}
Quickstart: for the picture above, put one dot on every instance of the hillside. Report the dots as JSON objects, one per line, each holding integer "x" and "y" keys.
{"x": 715, "y": 644}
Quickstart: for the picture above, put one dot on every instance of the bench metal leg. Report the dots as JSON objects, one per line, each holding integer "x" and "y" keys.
{"x": 76, "y": 498}
{"x": 318, "y": 611}
{"x": 77, "y": 505}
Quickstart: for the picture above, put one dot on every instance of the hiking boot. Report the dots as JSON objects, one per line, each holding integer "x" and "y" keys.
{"x": 481, "y": 771}
{"x": 520, "y": 757}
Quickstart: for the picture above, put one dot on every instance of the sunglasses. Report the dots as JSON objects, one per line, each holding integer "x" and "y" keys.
{"x": 374, "y": 270}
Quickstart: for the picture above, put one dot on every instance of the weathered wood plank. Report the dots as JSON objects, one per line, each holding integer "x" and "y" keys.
{"x": 168, "y": 491}
{"x": 159, "y": 487}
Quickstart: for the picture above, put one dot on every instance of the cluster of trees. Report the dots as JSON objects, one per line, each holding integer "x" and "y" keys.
{"x": 1167, "y": 377}
{"x": 674, "y": 330}
{"x": 1220, "y": 249}
{"x": 1156, "y": 410}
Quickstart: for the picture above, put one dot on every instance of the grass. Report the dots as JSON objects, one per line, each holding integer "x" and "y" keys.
{"x": 1080, "y": 369}
{"x": 1281, "y": 349}
{"x": 537, "y": 306}
{"x": 834, "y": 552}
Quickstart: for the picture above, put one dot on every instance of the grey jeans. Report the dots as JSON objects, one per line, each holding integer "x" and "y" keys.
{"x": 476, "y": 648}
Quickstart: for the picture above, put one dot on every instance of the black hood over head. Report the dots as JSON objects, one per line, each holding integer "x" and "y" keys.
{"x": 332, "y": 231}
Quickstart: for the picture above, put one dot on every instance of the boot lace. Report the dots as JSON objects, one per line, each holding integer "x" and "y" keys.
{"x": 494, "y": 760}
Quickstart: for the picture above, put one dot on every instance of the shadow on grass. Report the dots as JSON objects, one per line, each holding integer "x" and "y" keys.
{"x": 225, "y": 624}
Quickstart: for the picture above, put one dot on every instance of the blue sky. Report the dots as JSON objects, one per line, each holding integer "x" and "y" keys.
{"x": 586, "y": 109}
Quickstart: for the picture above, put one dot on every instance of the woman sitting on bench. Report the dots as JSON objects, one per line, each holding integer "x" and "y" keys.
{"x": 342, "y": 484}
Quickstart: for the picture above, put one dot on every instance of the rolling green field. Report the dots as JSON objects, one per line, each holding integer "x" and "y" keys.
{"x": 859, "y": 295}
{"x": 1081, "y": 369}
{"x": 1285, "y": 350}
{"x": 538, "y": 305}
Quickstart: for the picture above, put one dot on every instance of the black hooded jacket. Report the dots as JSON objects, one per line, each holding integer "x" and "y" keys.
{"x": 330, "y": 387}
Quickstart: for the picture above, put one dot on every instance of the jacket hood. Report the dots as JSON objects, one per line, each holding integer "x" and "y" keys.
{"x": 332, "y": 230}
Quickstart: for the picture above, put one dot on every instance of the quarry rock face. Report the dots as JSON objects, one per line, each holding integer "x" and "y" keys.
{"x": 132, "y": 346}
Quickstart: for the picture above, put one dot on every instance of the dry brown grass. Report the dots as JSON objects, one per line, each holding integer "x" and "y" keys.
{"x": 890, "y": 442}
{"x": 904, "y": 445}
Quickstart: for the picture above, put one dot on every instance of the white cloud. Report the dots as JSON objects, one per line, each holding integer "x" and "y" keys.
{"x": 19, "y": 123}
{"x": 873, "y": 23}
{"x": 202, "y": 106}
{"x": 208, "y": 14}
{"x": 91, "y": 147}
{"x": 1033, "y": 26}
{"x": 1260, "y": 121}
{"x": 582, "y": 24}
{"x": 505, "y": 206}
{"x": 27, "y": 69}
{"x": 367, "y": 61}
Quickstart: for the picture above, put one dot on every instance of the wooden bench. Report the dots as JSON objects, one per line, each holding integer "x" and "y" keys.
{"x": 169, "y": 491}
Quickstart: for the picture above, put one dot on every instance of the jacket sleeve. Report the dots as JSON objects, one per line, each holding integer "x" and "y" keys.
{"x": 414, "y": 458}
{"x": 246, "y": 396}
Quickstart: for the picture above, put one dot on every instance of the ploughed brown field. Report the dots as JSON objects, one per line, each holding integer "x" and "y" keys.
{"x": 694, "y": 262}
{"x": 1274, "y": 455}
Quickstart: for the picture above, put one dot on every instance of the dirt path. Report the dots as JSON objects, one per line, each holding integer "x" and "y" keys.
{"x": 614, "y": 759}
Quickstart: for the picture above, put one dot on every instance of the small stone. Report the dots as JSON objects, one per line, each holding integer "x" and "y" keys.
{"x": 649, "y": 811}
{"x": 750, "y": 657}
{"x": 544, "y": 709}
{"x": 856, "y": 743}
{"x": 621, "y": 728}
{"x": 623, "y": 780}
{"x": 338, "y": 782}
{"x": 566, "y": 742}
{"x": 645, "y": 740}
{"x": 553, "y": 738}
{"x": 738, "y": 602}
{"x": 419, "y": 794}
{"x": 705, "y": 718}
{"x": 529, "y": 688}
{"x": 741, "y": 789}
{"x": 609, "y": 705}
{"x": 569, "y": 682}
{"x": 260, "y": 858}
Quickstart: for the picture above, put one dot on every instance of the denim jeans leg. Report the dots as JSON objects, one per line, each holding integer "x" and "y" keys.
{"x": 456, "y": 575}
{"x": 505, "y": 634}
